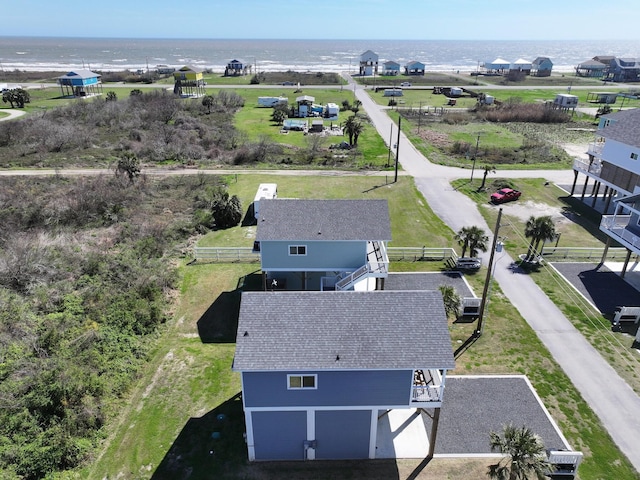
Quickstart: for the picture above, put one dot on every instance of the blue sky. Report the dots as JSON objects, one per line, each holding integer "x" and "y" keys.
{"x": 327, "y": 19}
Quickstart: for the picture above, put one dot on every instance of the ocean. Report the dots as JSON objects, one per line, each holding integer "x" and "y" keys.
{"x": 114, "y": 54}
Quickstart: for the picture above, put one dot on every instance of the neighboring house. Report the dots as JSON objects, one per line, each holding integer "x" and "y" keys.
{"x": 320, "y": 370}
{"x": 591, "y": 68}
{"x": 497, "y": 67}
{"x": 390, "y": 68}
{"x": 613, "y": 164}
{"x": 368, "y": 63}
{"x": 323, "y": 244}
{"x": 414, "y": 68}
{"x": 541, "y": 67}
{"x": 80, "y": 83}
{"x": 521, "y": 66}
{"x": 237, "y": 67}
{"x": 189, "y": 82}
{"x": 623, "y": 70}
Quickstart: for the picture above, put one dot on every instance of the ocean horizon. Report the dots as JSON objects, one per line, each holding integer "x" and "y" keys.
{"x": 117, "y": 54}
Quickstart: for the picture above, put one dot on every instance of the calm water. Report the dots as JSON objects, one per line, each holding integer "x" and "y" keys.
{"x": 108, "y": 54}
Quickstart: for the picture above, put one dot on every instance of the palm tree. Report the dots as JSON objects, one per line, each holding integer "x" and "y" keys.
{"x": 353, "y": 127}
{"x": 487, "y": 169}
{"x": 472, "y": 238}
{"x": 207, "y": 102}
{"x": 525, "y": 455}
{"x": 538, "y": 229}
{"x": 452, "y": 301}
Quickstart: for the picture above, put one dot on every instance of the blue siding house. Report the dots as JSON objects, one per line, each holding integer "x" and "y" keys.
{"x": 390, "y": 68}
{"x": 323, "y": 244}
{"x": 80, "y": 83}
{"x": 319, "y": 369}
{"x": 541, "y": 67}
{"x": 414, "y": 68}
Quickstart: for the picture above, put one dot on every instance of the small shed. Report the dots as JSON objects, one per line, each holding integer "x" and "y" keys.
{"x": 414, "y": 68}
{"x": 565, "y": 101}
{"x": 606, "y": 98}
{"x": 541, "y": 67}
{"x": 393, "y": 92}
{"x": 391, "y": 68}
{"x": 317, "y": 125}
{"x": 80, "y": 83}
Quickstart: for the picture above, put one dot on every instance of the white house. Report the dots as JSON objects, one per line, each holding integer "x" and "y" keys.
{"x": 368, "y": 63}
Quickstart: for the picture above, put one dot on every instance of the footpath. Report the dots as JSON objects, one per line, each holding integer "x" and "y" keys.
{"x": 613, "y": 401}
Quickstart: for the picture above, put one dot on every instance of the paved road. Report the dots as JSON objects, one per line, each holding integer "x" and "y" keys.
{"x": 615, "y": 403}
{"x": 13, "y": 113}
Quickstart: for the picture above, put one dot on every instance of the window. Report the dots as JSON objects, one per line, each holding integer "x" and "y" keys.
{"x": 634, "y": 156}
{"x": 297, "y": 249}
{"x": 299, "y": 382}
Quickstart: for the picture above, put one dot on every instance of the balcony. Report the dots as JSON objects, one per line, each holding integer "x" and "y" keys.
{"x": 617, "y": 227}
{"x": 595, "y": 149}
{"x": 428, "y": 387}
{"x": 586, "y": 166}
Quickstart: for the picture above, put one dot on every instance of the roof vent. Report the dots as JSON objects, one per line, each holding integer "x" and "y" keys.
{"x": 337, "y": 357}
{"x": 246, "y": 334}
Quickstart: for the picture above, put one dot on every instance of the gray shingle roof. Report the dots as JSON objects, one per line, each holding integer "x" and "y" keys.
{"x": 626, "y": 128}
{"x": 287, "y": 219}
{"x": 367, "y": 330}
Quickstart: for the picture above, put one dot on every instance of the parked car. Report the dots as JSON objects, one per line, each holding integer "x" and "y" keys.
{"x": 468, "y": 263}
{"x": 505, "y": 195}
{"x": 405, "y": 84}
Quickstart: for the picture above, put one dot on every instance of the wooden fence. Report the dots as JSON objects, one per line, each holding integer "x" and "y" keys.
{"x": 248, "y": 255}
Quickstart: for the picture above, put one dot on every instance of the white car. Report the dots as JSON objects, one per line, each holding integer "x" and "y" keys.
{"x": 405, "y": 84}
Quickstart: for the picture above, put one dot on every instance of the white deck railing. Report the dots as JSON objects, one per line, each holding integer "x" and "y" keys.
{"x": 426, "y": 393}
{"x": 581, "y": 253}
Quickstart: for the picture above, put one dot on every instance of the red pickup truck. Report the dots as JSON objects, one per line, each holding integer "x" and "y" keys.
{"x": 505, "y": 195}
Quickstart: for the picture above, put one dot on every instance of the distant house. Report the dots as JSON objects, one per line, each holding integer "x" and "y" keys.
{"x": 320, "y": 371}
{"x": 498, "y": 66}
{"x": 414, "y": 68}
{"x": 623, "y": 70}
{"x": 323, "y": 244}
{"x": 237, "y": 67}
{"x": 541, "y": 67}
{"x": 189, "y": 82}
{"x": 80, "y": 83}
{"x": 164, "y": 70}
{"x": 591, "y": 68}
{"x": 521, "y": 65}
{"x": 390, "y": 68}
{"x": 368, "y": 63}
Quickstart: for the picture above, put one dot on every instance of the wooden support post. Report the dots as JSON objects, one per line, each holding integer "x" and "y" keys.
{"x": 584, "y": 187}
{"x": 626, "y": 263}
{"x": 434, "y": 432}
{"x": 606, "y": 250}
{"x": 575, "y": 179}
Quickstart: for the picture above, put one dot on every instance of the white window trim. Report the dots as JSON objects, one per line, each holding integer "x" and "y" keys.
{"x": 297, "y": 254}
{"x": 315, "y": 381}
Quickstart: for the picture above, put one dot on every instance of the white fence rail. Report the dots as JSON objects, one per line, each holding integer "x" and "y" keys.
{"x": 559, "y": 254}
{"x": 248, "y": 255}
{"x": 414, "y": 254}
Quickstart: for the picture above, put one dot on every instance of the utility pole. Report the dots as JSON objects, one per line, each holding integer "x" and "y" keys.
{"x": 485, "y": 290}
{"x": 395, "y": 178}
{"x": 390, "y": 140}
{"x": 474, "y": 157}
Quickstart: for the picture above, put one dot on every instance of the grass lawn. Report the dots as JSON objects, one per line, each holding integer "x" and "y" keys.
{"x": 413, "y": 222}
{"x": 166, "y": 427}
